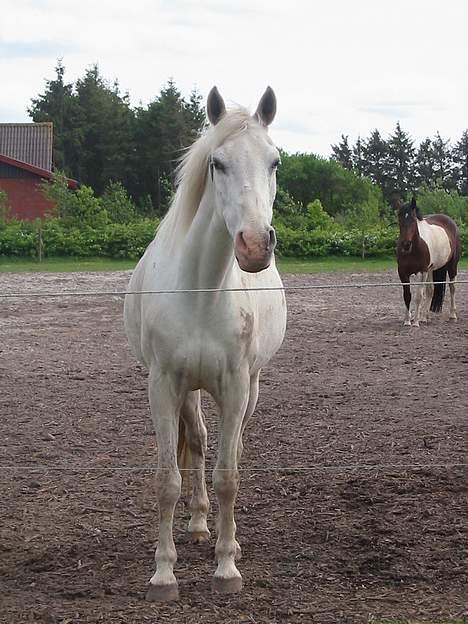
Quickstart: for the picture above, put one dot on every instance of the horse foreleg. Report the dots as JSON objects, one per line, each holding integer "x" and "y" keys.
{"x": 406, "y": 295}
{"x": 429, "y": 289}
{"x": 165, "y": 410}
{"x": 233, "y": 404}
{"x": 419, "y": 298}
{"x": 196, "y": 437}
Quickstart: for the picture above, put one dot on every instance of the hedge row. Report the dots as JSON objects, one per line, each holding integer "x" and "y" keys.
{"x": 115, "y": 240}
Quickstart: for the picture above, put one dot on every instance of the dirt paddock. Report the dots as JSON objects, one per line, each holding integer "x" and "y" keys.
{"x": 332, "y": 543}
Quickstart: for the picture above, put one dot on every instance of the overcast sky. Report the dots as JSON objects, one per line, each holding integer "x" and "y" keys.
{"x": 337, "y": 67}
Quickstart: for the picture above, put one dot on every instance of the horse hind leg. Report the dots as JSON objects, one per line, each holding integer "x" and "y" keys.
{"x": 452, "y": 274}
{"x": 192, "y": 450}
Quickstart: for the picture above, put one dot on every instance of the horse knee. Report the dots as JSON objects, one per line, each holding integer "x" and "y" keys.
{"x": 225, "y": 482}
{"x": 168, "y": 486}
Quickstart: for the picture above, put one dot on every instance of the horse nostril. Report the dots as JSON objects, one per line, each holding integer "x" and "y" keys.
{"x": 241, "y": 242}
{"x": 271, "y": 239}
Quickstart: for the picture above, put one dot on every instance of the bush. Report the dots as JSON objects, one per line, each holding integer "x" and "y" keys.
{"x": 438, "y": 200}
{"x": 118, "y": 205}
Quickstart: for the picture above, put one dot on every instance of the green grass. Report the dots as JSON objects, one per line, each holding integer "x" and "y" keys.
{"x": 286, "y": 265}
{"x": 54, "y": 265}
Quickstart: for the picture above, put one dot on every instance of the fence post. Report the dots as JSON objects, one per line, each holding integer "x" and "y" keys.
{"x": 39, "y": 241}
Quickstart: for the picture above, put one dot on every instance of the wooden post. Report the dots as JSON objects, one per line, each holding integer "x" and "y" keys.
{"x": 39, "y": 241}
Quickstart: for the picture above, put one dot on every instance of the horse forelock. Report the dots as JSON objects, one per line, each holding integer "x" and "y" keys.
{"x": 191, "y": 173}
{"x": 407, "y": 208}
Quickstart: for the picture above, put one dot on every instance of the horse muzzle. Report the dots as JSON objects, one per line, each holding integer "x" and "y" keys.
{"x": 406, "y": 247}
{"x": 254, "y": 249}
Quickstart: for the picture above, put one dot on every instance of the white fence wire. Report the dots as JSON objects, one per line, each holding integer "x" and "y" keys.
{"x": 123, "y": 293}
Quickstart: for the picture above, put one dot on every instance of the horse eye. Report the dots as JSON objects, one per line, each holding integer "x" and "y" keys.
{"x": 218, "y": 165}
{"x": 276, "y": 164}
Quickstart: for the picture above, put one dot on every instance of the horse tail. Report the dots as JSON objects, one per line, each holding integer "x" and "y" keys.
{"x": 439, "y": 275}
{"x": 184, "y": 455}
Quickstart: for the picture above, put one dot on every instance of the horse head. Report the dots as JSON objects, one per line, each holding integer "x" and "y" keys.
{"x": 408, "y": 215}
{"x": 243, "y": 176}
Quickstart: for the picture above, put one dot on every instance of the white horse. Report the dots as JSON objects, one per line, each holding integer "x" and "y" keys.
{"x": 216, "y": 235}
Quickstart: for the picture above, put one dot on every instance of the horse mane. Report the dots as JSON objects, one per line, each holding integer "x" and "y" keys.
{"x": 192, "y": 171}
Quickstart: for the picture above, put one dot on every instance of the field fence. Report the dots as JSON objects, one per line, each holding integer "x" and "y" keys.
{"x": 123, "y": 293}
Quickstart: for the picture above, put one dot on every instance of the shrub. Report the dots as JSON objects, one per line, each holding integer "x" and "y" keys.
{"x": 118, "y": 205}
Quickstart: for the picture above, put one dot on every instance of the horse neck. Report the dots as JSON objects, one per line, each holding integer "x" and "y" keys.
{"x": 207, "y": 252}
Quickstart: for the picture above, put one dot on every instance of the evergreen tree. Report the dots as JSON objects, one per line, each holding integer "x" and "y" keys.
{"x": 460, "y": 157}
{"x": 401, "y": 153}
{"x": 106, "y": 127}
{"x": 374, "y": 160}
{"x": 443, "y": 163}
{"x": 196, "y": 113}
{"x": 163, "y": 131}
{"x": 424, "y": 164}
{"x": 342, "y": 153}
{"x": 358, "y": 161}
{"x": 58, "y": 104}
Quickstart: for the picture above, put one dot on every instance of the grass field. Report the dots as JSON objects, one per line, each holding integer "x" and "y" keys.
{"x": 286, "y": 265}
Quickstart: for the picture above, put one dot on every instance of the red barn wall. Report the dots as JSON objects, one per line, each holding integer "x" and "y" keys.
{"x": 25, "y": 198}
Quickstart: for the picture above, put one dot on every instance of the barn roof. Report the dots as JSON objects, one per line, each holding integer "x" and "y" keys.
{"x": 29, "y": 143}
{"x": 39, "y": 171}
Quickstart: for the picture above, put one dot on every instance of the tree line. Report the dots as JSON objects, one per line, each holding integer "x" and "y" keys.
{"x": 100, "y": 140}
{"x": 397, "y": 164}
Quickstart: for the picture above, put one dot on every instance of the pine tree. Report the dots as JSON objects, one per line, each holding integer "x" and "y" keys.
{"x": 58, "y": 104}
{"x": 358, "y": 162}
{"x": 164, "y": 130}
{"x": 425, "y": 165}
{"x": 106, "y": 126}
{"x": 443, "y": 163}
{"x": 401, "y": 153}
{"x": 342, "y": 153}
{"x": 374, "y": 160}
{"x": 460, "y": 157}
{"x": 196, "y": 113}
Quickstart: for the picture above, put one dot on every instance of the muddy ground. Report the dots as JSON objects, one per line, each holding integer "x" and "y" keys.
{"x": 324, "y": 541}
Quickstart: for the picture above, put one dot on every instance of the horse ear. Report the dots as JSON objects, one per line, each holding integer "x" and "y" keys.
{"x": 413, "y": 203}
{"x": 215, "y": 106}
{"x": 266, "y": 109}
{"x": 395, "y": 202}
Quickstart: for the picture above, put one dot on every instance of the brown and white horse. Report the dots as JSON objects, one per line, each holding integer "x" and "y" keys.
{"x": 428, "y": 247}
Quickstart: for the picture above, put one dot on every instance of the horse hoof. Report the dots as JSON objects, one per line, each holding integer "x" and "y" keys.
{"x": 162, "y": 593}
{"x": 227, "y": 585}
{"x": 407, "y": 323}
{"x": 453, "y": 318}
{"x": 199, "y": 537}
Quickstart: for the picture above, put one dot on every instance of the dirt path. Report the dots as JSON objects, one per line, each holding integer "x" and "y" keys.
{"x": 337, "y": 543}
